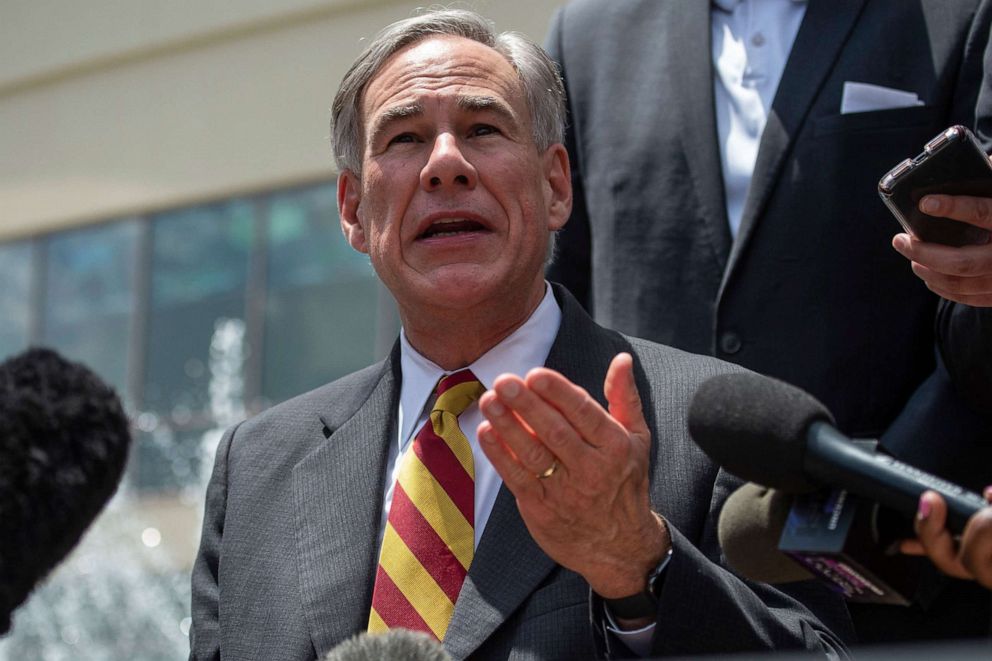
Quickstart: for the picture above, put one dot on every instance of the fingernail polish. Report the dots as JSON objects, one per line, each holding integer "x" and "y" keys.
{"x": 924, "y": 510}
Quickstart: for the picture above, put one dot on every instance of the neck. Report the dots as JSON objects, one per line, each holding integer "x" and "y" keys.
{"x": 456, "y": 338}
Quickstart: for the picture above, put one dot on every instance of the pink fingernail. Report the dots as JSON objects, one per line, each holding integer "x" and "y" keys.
{"x": 930, "y": 205}
{"x": 924, "y": 510}
{"x": 987, "y": 493}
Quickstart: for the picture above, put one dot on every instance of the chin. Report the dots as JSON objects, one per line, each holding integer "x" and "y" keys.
{"x": 463, "y": 286}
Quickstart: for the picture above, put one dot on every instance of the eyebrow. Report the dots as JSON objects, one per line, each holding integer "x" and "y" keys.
{"x": 487, "y": 104}
{"x": 471, "y": 103}
{"x": 392, "y": 115}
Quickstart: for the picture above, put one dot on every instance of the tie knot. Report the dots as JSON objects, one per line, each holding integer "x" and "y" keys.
{"x": 457, "y": 391}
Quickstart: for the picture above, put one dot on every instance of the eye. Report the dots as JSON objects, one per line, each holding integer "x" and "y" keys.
{"x": 402, "y": 138}
{"x": 483, "y": 130}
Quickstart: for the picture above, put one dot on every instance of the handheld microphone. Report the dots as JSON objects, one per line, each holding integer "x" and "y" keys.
{"x": 769, "y": 432}
{"x": 63, "y": 441}
{"x": 397, "y": 644}
{"x": 749, "y": 529}
{"x": 776, "y": 537}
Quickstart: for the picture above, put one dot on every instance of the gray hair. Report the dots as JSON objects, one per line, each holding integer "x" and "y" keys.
{"x": 538, "y": 73}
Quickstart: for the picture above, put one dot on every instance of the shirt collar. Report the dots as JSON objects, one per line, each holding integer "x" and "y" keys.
{"x": 523, "y": 349}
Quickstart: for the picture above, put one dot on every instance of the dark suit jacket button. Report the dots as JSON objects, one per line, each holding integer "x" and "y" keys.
{"x": 730, "y": 342}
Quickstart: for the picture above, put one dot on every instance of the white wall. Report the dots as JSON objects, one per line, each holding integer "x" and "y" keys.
{"x": 110, "y": 107}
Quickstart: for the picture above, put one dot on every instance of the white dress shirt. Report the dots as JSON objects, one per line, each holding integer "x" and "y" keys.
{"x": 751, "y": 44}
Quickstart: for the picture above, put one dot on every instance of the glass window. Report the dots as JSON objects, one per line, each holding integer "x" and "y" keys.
{"x": 196, "y": 331}
{"x": 89, "y": 296}
{"x": 321, "y": 307}
{"x": 15, "y": 297}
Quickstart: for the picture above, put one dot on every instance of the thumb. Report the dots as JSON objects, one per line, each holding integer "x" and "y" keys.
{"x": 622, "y": 397}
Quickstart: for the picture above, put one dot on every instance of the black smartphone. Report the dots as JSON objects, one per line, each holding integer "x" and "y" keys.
{"x": 953, "y": 163}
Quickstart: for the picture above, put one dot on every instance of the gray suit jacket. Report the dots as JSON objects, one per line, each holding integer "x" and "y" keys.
{"x": 288, "y": 554}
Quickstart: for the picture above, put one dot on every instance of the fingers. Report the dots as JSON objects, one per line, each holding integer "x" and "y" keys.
{"x": 912, "y": 547}
{"x": 546, "y": 418}
{"x": 976, "y": 547}
{"x": 511, "y": 444}
{"x": 962, "y": 274}
{"x": 973, "y": 210}
{"x": 934, "y": 537}
{"x": 621, "y": 394}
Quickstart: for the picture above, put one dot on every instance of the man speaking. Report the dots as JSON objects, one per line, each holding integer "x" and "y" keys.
{"x": 510, "y": 458}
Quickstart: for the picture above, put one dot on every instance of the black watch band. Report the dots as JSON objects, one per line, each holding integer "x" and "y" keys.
{"x": 642, "y": 604}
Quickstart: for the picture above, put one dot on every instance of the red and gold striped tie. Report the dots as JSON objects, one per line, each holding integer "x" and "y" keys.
{"x": 430, "y": 539}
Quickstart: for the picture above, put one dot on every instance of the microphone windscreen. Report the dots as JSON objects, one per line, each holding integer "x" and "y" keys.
{"x": 749, "y": 529}
{"x": 395, "y": 644}
{"x": 755, "y": 427}
{"x": 64, "y": 440}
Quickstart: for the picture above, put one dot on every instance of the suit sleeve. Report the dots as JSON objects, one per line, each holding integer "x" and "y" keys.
{"x": 572, "y": 263}
{"x": 204, "y": 634}
{"x": 699, "y": 588}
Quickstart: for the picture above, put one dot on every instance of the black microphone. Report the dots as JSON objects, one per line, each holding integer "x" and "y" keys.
{"x": 769, "y": 432}
{"x": 395, "y": 644}
{"x": 776, "y": 537}
{"x": 63, "y": 441}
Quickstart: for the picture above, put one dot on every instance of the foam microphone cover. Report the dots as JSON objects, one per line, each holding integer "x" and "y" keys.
{"x": 64, "y": 440}
{"x": 749, "y": 529}
{"x": 395, "y": 644}
{"x": 755, "y": 427}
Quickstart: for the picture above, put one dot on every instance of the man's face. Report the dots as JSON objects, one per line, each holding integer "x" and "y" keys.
{"x": 455, "y": 202}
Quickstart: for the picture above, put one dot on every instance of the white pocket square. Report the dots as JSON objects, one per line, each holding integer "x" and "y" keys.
{"x": 864, "y": 97}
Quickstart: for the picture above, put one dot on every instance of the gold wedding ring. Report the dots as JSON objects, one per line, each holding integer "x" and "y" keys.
{"x": 548, "y": 473}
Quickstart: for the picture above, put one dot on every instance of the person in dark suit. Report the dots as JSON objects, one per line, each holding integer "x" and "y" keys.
{"x": 585, "y": 479}
{"x": 962, "y": 276}
{"x": 781, "y": 263}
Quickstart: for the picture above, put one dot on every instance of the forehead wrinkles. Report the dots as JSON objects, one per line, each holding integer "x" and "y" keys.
{"x": 430, "y": 65}
{"x": 463, "y": 83}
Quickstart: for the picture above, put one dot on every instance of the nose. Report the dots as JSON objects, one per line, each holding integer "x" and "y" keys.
{"x": 447, "y": 166}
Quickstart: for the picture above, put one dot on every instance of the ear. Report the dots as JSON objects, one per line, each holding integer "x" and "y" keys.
{"x": 558, "y": 186}
{"x": 349, "y": 200}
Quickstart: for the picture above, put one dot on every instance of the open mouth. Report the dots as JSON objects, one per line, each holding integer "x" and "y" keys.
{"x": 451, "y": 227}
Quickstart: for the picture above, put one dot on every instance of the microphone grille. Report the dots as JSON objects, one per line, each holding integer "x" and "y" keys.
{"x": 755, "y": 427}
{"x": 395, "y": 644}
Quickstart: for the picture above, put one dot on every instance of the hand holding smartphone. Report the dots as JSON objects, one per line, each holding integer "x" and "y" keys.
{"x": 953, "y": 163}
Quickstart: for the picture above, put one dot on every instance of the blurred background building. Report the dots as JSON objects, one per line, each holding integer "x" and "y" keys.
{"x": 168, "y": 217}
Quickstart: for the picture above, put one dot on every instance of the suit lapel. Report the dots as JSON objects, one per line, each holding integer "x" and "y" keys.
{"x": 818, "y": 44}
{"x": 507, "y": 568}
{"x": 338, "y": 493}
{"x": 687, "y": 36}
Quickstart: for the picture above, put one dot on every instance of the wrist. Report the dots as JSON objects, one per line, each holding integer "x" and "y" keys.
{"x": 632, "y": 599}
{"x": 639, "y": 609}
{"x": 625, "y": 573}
